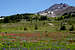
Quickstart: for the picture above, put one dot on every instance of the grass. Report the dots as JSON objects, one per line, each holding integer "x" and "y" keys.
{"x": 40, "y": 45}
{"x": 55, "y": 38}
{"x": 19, "y": 27}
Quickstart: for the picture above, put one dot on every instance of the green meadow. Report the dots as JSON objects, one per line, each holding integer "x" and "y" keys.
{"x": 37, "y": 33}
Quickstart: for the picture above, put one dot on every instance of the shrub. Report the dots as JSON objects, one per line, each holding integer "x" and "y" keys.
{"x": 44, "y": 23}
{"x": 72, "y": 28}
{"x": 63, "y": 27}
{"x": 25, "y": 28}
{"x": 43, "y": 18}
{"x": 36, "y": 27}
{"x": 46, "y": 33}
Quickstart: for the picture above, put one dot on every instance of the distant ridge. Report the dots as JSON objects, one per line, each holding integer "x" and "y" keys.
{"x": 57, "y": 10}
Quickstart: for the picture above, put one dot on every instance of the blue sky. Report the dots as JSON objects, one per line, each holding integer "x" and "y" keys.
{"x": 10, "y": 7}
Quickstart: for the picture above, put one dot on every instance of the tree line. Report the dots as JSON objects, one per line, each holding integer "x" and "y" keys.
{"x": 19, "y": 17}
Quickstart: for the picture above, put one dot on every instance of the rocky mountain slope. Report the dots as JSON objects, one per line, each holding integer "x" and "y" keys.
{"x": 57, "y": 10}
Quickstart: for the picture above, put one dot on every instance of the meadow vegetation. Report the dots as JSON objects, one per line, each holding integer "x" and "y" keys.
{"x": 33, "y": 30}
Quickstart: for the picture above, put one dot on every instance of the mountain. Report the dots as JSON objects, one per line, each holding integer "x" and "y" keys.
{"x": 57, "y": 10}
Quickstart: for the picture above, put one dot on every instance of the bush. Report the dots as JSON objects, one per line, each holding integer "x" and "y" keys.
{"x": 72, "y": 28}
{"x": 25, "y": 28}
{"x": 36, "y": 27}
{"x": 63, "y": 27}
{"x": 43, "y": 18}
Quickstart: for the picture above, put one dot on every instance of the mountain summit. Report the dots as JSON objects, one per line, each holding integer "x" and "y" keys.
{"x": 57, "y": 10}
